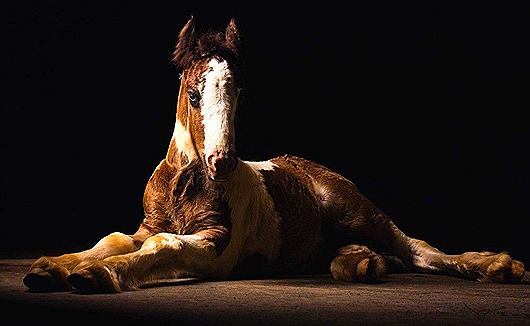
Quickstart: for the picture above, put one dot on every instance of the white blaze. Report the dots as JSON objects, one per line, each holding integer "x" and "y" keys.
{"x": 218, "y": 105}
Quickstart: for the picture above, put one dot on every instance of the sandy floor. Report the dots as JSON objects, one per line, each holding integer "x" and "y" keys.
{"x": 401, "y": 299}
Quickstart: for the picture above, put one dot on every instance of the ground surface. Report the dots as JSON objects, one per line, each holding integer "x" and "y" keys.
{"x": 401, "y": 299}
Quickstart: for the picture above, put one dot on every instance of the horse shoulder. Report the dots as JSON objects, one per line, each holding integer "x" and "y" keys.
{"x": 280, "y": 206}
{"x": 255, "y": 222}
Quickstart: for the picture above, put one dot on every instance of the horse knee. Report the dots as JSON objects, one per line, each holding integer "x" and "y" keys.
{"x": 115, "y": 243}
{"x": 358, "y": 267}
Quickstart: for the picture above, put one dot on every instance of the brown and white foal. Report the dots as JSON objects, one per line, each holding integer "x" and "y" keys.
{"x": 212, "y": 215}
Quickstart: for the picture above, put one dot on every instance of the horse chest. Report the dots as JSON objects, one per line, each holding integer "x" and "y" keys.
{"x": 181, "y": 201}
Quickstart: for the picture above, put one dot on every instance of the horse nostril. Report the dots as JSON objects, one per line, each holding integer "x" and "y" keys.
{"x": 221, "y": 164}
{"x": 221, "y": 161}
{"x": 212, "y": 162}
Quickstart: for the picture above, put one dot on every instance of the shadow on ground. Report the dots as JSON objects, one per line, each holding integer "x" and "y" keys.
{"x": 400, "y": 299}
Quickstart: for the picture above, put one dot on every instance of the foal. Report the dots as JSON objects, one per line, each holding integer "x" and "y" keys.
{"x": 212, "y": 215}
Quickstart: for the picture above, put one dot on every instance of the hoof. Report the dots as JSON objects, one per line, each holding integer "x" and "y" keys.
{"x": 45, "y": 275}
{"x": 491, "y": 267}
{"x": 39, "y": 280}
{"x": 504, "y": 270}
{"x": 95, "y": 278}
{"x": 353, "y": 268}
{"x": 518, "y": 271}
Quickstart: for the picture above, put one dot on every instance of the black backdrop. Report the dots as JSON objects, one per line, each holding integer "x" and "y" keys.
{"x": 422, "y": 105}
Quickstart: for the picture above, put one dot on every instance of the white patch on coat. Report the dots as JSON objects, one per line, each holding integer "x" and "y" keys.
{"x": 183, "y": 141}
{"x": 263, "y": 165}
{"x": 255, "y": 223}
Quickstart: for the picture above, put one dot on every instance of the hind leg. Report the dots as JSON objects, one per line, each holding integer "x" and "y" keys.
{"x": 356, "y": 263}
{"x": 49, "y": 274}
{"x": 352, "y": 215}
{"x": 419, "y": 256}
{"x": 360, "y": 264}
{"x": 482, "y": 266}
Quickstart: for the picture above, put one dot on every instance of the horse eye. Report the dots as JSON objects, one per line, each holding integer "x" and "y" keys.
{"x": 194, "y": 99}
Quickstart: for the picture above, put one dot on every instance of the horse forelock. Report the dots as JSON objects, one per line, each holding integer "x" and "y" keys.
{"x": 208, "y": 45}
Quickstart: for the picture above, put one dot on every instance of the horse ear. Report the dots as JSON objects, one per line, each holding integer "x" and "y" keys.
{"x": 186, "y": 44}
{"x": 232, "y": 36}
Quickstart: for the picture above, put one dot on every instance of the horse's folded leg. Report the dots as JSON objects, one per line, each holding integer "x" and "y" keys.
{"x": 356, "y": 267}
{"x": 94, "y": 277}
{"x": 47, "y": 276}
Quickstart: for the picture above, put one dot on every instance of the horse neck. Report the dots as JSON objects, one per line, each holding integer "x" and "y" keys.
{"x": 181, "y": 149}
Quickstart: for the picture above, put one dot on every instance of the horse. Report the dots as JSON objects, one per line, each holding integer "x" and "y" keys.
{"x": 211, "y": 215}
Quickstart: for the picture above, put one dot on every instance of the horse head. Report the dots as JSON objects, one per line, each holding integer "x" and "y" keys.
{"x": 210, "y": 85}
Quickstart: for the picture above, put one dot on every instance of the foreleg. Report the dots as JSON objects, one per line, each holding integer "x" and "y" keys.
{"x": 49, "y": 274}
{"x": 161, "y": 255}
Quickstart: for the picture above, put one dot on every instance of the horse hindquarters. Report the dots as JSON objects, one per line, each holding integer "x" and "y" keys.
{"x": 320, "y": 196}
{"x": 353, "y": 216}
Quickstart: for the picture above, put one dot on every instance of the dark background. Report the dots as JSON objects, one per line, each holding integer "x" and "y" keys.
{"x": 423, "y": 105}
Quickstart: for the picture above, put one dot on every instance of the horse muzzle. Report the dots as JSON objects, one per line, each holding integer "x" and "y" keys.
{"x": 221, "y": 165}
